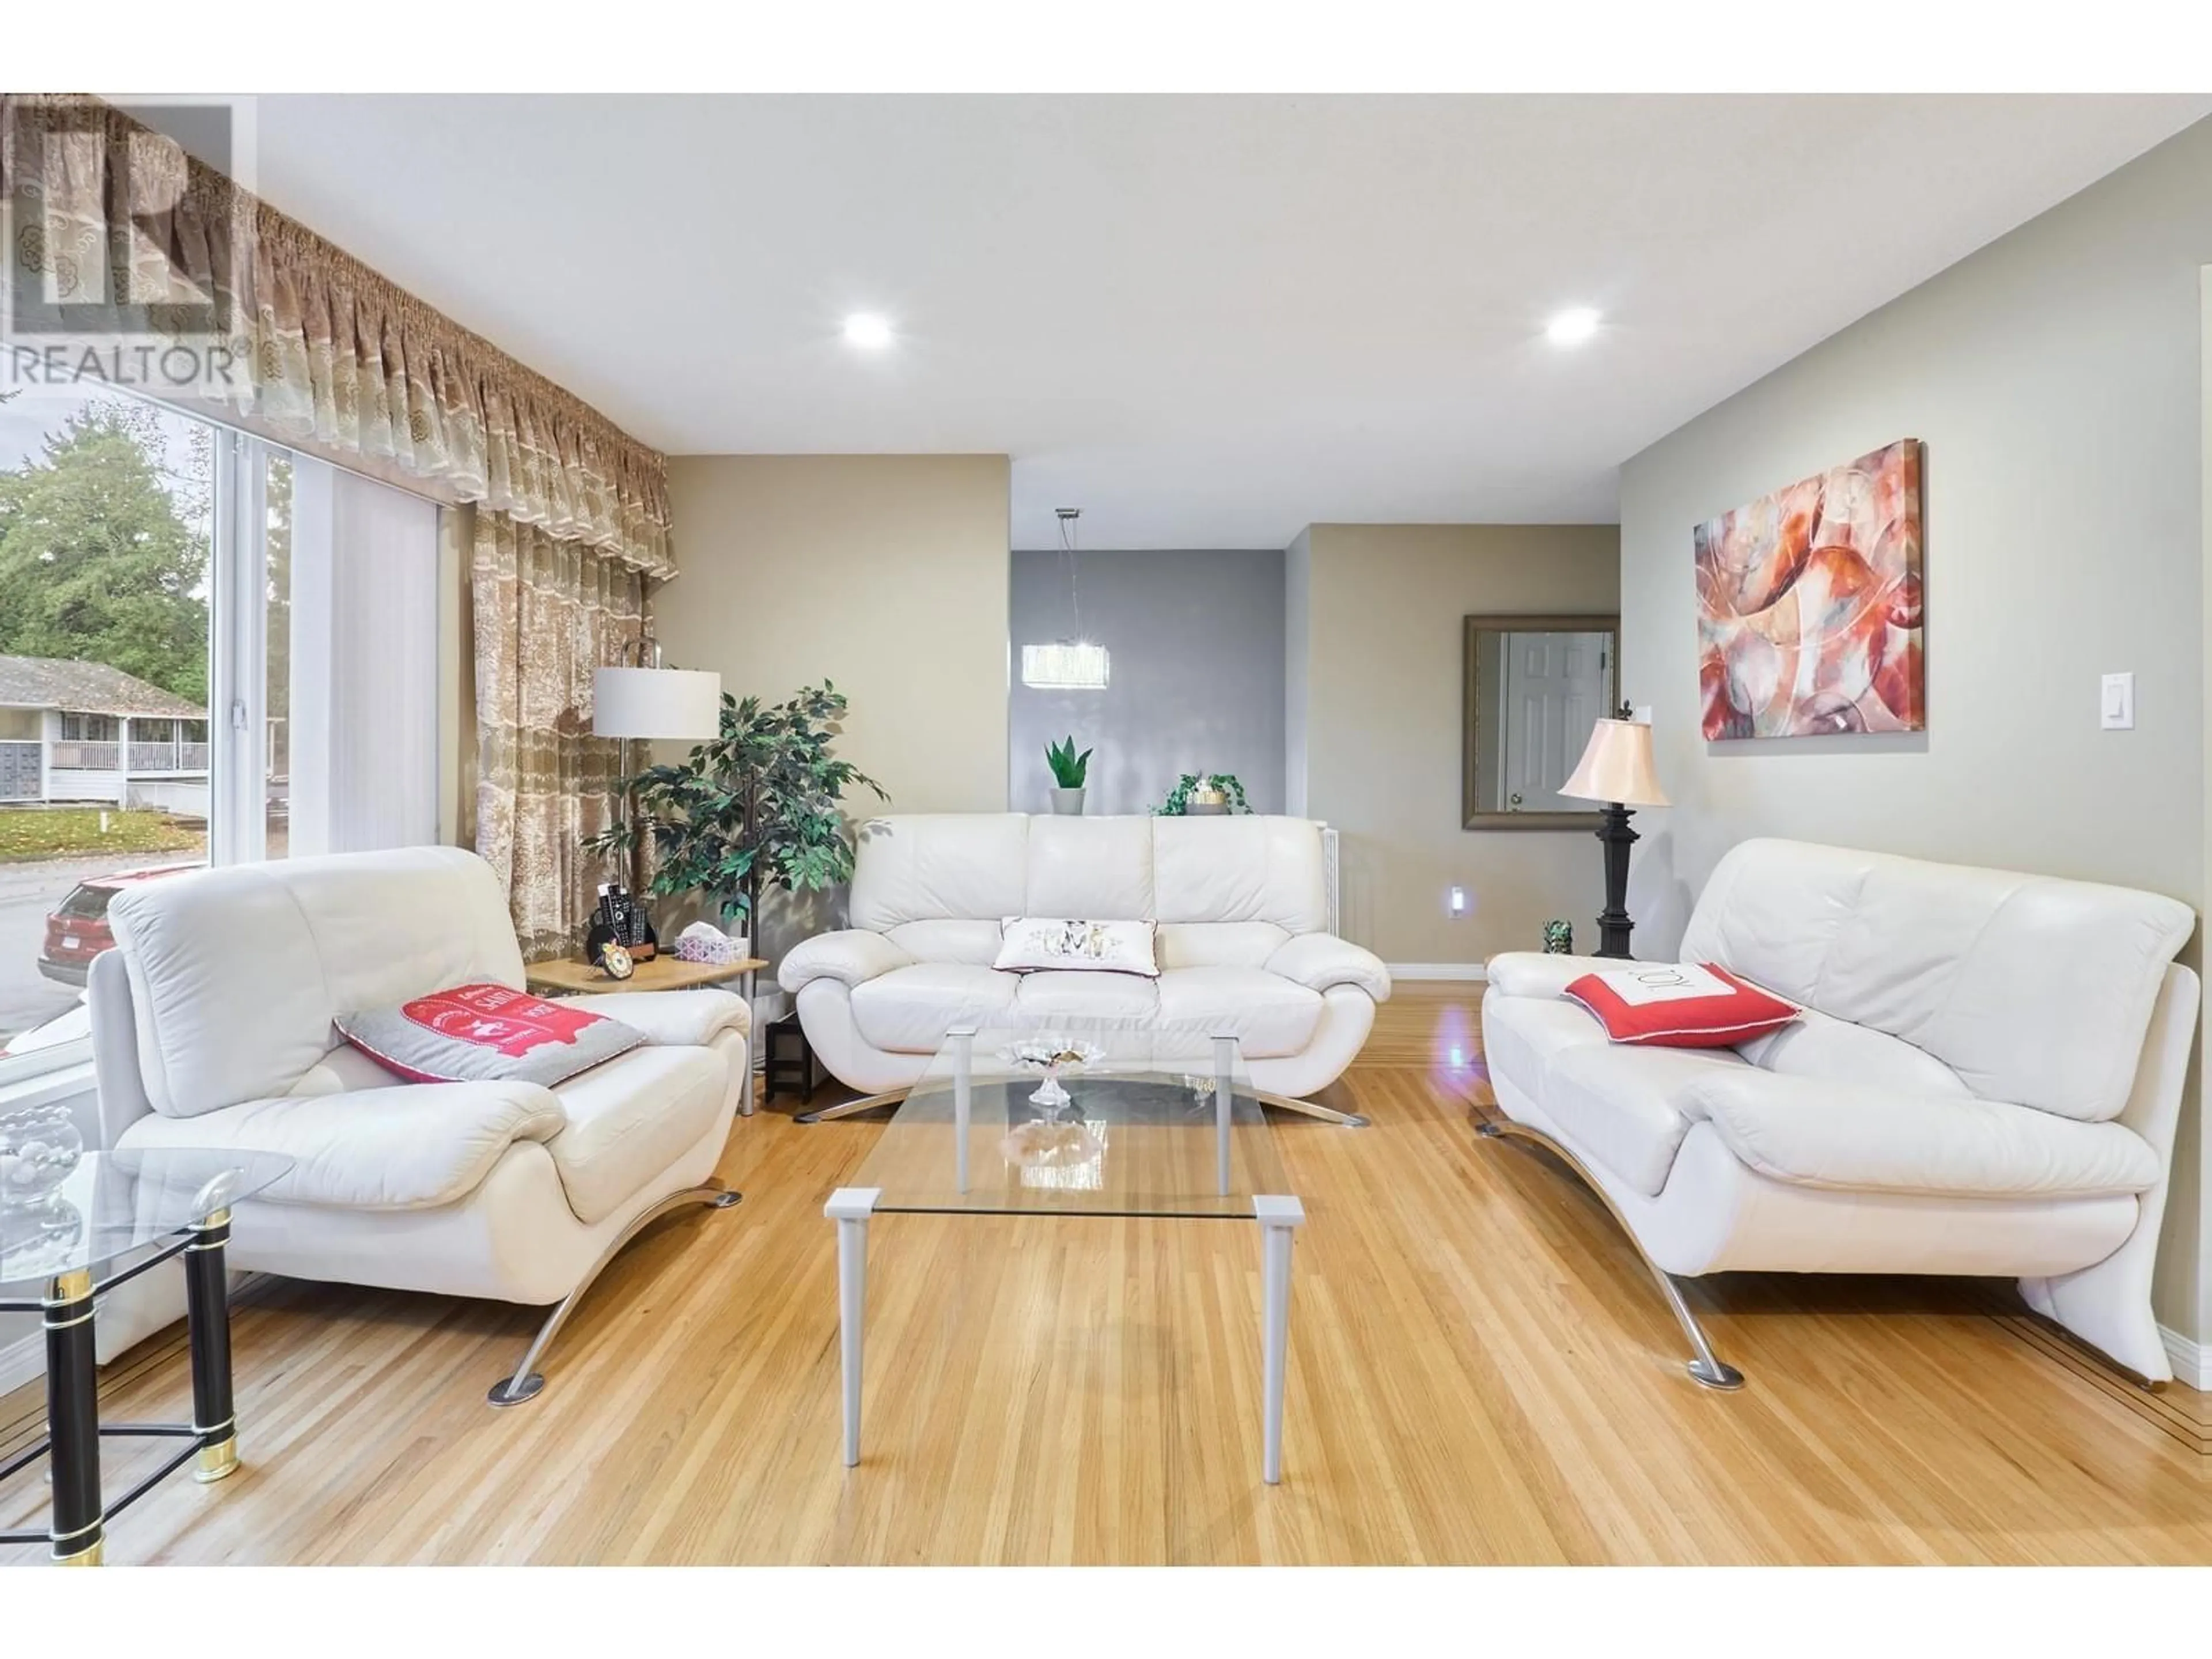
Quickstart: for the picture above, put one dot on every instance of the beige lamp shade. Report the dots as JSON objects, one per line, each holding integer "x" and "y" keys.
{"x": 656, "y": 703}
{"x": 1617, "y": 767}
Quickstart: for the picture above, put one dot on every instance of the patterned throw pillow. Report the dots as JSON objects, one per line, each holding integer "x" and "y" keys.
{"x": 487, "y": 1033}
{"x": 1029, "y": 944}
{"x": 1669, "y": 1005}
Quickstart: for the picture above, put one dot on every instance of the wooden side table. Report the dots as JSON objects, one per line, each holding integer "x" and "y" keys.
{"x": 663, "y": 973}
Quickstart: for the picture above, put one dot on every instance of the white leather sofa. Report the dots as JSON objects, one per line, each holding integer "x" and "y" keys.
{"x": 212, "y": 1027}
{"x": 1985, "y": 1081}
{"x": 1242, "y": 906}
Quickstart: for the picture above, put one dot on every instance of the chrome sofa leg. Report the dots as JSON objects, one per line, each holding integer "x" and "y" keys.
{"x": 851, "y": 1108}
{"x": 527, "y": 1383}
{"x": 1308, "y": 1108}
{"x": 1706, "y": 1368}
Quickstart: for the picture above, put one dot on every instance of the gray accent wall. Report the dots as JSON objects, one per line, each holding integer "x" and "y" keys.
{"x": 2055, "y": 379}
{"x": 1197, "y": 682}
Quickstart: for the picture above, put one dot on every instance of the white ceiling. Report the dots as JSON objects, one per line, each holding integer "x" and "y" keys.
{"x": 1206, "y": 321}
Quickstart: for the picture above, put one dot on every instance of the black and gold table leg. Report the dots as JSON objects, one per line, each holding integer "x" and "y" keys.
{"x": 207, "y": 1300}
{"x": 78, "y": 1530}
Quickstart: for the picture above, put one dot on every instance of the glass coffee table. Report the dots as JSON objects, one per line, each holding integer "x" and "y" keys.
{"x": 1069, "y": 1120}
{"x": 113, "y": 1217}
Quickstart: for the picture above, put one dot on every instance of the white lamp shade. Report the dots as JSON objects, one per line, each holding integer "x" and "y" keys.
{"x": 656, "y": 703}
{"x": 1617, "y": 767}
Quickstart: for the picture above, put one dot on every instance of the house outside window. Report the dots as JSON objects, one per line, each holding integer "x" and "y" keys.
{"x": 150, "y": 563}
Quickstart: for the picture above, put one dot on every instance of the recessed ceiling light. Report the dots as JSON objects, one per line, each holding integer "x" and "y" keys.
{"x": 868, "y": 330}
{"x": 1572, "y": 327}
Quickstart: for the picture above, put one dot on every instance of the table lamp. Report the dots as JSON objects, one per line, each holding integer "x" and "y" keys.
{"x": 1616, "y": 770}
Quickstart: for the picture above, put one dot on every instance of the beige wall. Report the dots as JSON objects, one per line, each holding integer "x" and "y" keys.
{"x": 1382, "y": 610}
{"x": 885, "y": 574}
{"x": 2054, "y": 377}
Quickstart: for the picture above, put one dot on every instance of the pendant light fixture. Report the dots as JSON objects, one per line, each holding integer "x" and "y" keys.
{"x": 1071, "y": 663}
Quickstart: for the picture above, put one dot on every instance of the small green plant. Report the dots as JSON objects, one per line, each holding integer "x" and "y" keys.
{"x": 1067, "y": 767}
{"x": 1178, "y": 803}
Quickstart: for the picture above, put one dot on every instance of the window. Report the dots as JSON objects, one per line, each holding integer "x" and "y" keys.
{"x": 211, "y": 650}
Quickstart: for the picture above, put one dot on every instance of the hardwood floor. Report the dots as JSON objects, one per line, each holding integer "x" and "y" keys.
{"x": 1479, "y": 1373}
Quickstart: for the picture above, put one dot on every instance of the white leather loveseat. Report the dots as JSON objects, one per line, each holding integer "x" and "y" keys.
{"x": 1243, "y": 946}
{"x": 1985, "y": 1081}
{"x": 212, "y": 1028}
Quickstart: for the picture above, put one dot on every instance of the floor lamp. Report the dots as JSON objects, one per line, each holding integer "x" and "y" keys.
{"x": 1616, "y": 771}
{"x": 640, "y": 704}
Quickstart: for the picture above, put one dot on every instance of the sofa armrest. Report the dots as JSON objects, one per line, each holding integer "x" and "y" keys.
{"x": 1540, "y": 974}
{"x": 853, "y": 956}
{"x": 1318, "y": 961}
{"x": 671, "y": 1019}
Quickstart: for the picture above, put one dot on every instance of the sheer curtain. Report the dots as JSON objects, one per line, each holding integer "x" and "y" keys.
{"x": 363, "y": 738}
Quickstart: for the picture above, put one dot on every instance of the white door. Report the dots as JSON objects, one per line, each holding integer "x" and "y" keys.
{"x": 1555, "y": 688}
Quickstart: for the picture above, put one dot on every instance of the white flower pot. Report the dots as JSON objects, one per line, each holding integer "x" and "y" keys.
{"x": 1067, "y": 803}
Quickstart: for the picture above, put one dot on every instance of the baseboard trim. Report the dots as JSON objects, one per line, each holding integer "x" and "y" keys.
{"x": 22, "y": 1361}
{"x": 1442, "y": 970}
{"x": 2192, "y": 1361}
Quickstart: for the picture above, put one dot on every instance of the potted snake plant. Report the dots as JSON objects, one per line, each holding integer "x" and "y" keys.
{"x": 1068, "y": 771}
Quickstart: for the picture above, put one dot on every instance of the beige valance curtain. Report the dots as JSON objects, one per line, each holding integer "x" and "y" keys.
{"x": 547, "y": 613}
{"x": 331, "y": 355}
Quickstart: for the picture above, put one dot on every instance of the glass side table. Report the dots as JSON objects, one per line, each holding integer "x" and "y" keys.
{"x": 119, "y": 1214}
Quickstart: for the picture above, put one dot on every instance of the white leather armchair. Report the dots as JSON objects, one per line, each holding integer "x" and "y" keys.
{"x": 1243, "y": 945}
{"x": 1986, "y": 1080}
{"x": 211, "y": 1026}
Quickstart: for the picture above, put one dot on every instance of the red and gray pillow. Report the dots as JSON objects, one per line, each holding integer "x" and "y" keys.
{"x": 487, "y": 1033}
{"x": 1669, "y": 1005}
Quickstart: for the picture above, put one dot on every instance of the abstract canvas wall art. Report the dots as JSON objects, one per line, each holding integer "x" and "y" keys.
{"x": 1808, "y": 605}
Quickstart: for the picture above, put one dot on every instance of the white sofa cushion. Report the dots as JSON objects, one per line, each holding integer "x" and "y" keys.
{"x": 1220, "y": 943}
{"x": 910, "y": 1009}
{"x": 921, "y": 866}
{"x": 1819, "y": 1045}
{"x": 948, "y": 938}
{"x": 630, "y": 1119}
{"x": 1095, "y": 867}
{"x": 2033, "y": 989}
{"x": 1818, "y": 1132}
{"x": 412, "y": 1147}
{"x": 237, "y": 973}
{"x": 1241, "y": 868}
{"x": 1623, "y": 1105}
{"x": 1268, "y": 1015}
{"x": 1129, "y": 999}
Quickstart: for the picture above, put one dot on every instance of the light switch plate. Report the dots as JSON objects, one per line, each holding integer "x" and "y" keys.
{"x": 2117, "y": 712}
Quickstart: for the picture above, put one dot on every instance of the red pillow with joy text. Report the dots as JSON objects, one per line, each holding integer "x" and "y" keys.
{"x": 1668, "y": 1005}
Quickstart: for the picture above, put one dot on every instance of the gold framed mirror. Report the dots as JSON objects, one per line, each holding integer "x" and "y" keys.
{"x": 1534, "y": 687}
